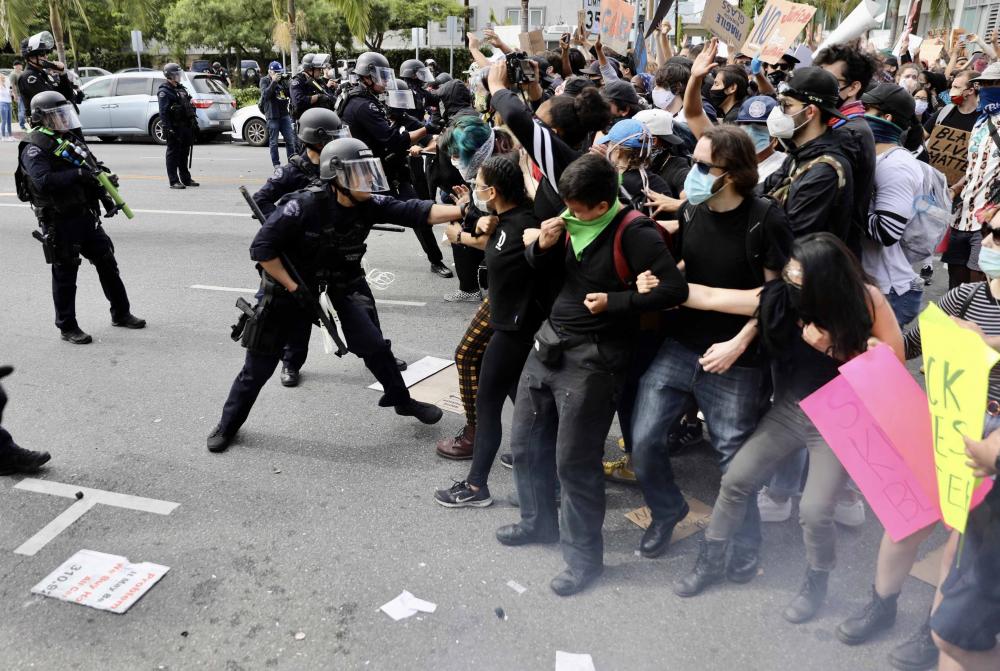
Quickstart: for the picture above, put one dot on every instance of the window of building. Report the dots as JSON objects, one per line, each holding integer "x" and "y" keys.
{"x": 536, "y": 17}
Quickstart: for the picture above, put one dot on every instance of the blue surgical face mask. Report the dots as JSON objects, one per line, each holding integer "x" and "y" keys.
{"x": 989, "y": 262}
{"x": 758, "y": 134}
{"x": 698, "y": 186}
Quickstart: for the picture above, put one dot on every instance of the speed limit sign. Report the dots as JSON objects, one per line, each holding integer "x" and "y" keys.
{"x": 592, "y": 15}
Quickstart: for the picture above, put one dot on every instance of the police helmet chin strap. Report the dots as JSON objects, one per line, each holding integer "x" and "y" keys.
{"x": 346, "y": 192}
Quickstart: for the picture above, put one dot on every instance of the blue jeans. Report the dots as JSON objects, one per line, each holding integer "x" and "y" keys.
{"x": 5, "y": 130}
{"x": 905, "y": 306}
{"x": 731, "y": 403}
{"x": 20, "y": 112}
{"x": 284, "y": 127}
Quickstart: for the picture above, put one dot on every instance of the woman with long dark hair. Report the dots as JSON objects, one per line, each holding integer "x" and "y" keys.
{"x": 516, "y": 312}
{"x": 820, "y": 314}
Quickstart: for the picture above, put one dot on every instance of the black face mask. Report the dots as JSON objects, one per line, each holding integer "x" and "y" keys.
{"x": 717, "y": 97}
{"x": 777, "y": 77}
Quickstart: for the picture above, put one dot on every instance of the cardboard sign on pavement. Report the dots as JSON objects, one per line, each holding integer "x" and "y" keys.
{"x": 101, "y": 581}
{"x": 696, "y": 520}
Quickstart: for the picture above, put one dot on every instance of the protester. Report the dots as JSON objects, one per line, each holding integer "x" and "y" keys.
{"x": 6, "y": 99}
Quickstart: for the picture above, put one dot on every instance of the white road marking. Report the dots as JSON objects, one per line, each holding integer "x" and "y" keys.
{"x": 91, "y": 497}
{"x": 237, "y": 290}
{"x": 241, "y": 215}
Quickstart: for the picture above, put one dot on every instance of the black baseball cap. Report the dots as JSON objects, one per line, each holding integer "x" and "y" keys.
{"x": 620, "y": 92}
{"x": 813, "y": 86}
{"x": 894, "y": 100}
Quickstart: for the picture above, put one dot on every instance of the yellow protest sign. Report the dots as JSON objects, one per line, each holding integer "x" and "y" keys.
{"x": 957, "y": 365}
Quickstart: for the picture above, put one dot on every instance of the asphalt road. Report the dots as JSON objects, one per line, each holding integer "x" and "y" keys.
{"x": 322, "y": 512}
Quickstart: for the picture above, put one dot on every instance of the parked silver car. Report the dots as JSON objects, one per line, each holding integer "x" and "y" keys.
{"x": 88, "y": 73}
{"x": 125, "y": 104}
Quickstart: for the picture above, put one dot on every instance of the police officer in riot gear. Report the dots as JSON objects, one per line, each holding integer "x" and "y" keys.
{"x": 41, "y": 74}
{"x": 361, "y": 108}
{"x": 180, "y": 126}
{"x": 65, "y": 196}
{"x": 309, "y": 88}
{"x": 13, "y": 457}
{"x": 417, "y": 77}
{"x": 317, "y": 127}
{"x": 321, "y": 230}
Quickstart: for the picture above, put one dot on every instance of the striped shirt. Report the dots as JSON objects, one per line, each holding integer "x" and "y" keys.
{"x": 982, "y": 311}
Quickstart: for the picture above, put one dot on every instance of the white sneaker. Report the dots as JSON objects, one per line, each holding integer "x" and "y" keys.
{"x": 771, "y": 510}
{"x": 850, "y": 513}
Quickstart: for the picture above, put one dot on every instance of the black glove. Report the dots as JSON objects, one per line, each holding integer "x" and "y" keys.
{"x": 113, "y": 178}
{"x": 303, "y": 298}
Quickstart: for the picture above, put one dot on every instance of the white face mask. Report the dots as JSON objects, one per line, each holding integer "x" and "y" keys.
{"x": 921, "y": 107}
{"x": 480, "y": 203}
{"x": 781, "y": 125}
{"x": 662, "y": 98}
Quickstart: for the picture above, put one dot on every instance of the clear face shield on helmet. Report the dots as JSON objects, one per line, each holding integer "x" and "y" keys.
{"x": 385, "y": 78}
{"x": 42, "y": 41}
{"x": 425, "y": 75}
{"x": 400, "y": 99}
{"x": 364, "y": 175}
{"x": 61, "y": 118}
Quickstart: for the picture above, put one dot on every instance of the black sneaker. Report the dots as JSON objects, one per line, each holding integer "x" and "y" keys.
{"x": 19, "y": 460}
{"x": 441, "y": 269}
{"x": 684, "y": 436}
{"x": 927, "y": 275}
{"x": 507, "y": 460}
{"x": 460, "y": 495}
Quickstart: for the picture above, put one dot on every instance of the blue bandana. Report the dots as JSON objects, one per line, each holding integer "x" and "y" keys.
{"x": 989, "y": 102}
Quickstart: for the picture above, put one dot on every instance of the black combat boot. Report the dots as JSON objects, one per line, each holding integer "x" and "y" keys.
{"x": 812, "y": 595}
{"x": 918, "y": 652}
{"x": 878, "y": 615}
{"x": 708, "y": 569}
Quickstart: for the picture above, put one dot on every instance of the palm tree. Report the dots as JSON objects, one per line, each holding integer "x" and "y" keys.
{"x": 289, "y": 24}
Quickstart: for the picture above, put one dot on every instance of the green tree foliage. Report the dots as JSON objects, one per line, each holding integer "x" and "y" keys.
{"x": 239, "y": 25}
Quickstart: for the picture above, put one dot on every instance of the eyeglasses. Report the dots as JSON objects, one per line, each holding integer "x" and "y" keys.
{"x": 704, "y": 168}
{"x": 987, "y": 231}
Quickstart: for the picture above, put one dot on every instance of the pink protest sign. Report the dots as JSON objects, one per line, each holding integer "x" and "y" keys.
{"x": 887, "y": 483}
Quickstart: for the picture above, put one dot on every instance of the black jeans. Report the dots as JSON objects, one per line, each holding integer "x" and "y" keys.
{"x": 178, "y": 148}
{"x": 561, "y": 420}
{"x": 498, "y": 377}
{"x": 425, "y": 234}
{"x": 355, "y": 308}
{"x": 467, "y": 260}
{"x": 95, "y": 246}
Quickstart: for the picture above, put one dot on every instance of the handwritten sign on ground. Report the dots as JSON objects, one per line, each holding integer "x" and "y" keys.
{"x": 957, "y": 364}
{"x": 949, "y": 151}
{"x": 532, "y": 42}
{"x": 726, "y": 22}
{"x": 441, "y": 389}
{"x": 617, "y": 19}
{"x": 776, "y": 29}
{"x": 101, "y": 581}
{"x": 887, "y": 483}
{"x": 696, "y": 520}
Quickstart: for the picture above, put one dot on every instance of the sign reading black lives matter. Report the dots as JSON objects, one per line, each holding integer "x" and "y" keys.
{"x": 949, "y": 151}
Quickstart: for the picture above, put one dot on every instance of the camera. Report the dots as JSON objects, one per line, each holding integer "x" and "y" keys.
{"x": 520, "y": 69}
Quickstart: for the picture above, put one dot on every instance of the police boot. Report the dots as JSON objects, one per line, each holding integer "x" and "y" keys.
{"x": 812, "y": 595}
{"x": 289, "y": 376}
{"x": 76, "y": 336}
{"x": 878, "y": 615}
{"x": 19, "y": 460}
{"x": 710, "y": 568}
{"x": 425, "y": 412}
{"x": 130, "y": 321}
{"x": 219, "y": 440}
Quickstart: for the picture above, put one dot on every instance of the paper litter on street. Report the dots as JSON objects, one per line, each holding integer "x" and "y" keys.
{"x": 406, "y": 605}
{"x": 516, "y": 586}
{"x": 571, "y": 661}
{"x": 101, "y": 581}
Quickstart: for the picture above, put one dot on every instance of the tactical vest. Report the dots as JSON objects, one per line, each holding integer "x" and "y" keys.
{"x": 332, "y": 252}
{"x": 68, "y": 199}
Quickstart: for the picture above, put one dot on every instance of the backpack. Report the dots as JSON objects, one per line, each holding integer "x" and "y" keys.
{"x": 931, "y": 214}
{"x": 759, "y": 208}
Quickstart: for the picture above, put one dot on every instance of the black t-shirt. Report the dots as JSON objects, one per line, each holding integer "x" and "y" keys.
{"x": 716, "y": 253}
{"x": 632, "y": 183}
{"x": 674, "y": 170}
{"x": 514, "y": 304}
{"x": 955, "y": 119}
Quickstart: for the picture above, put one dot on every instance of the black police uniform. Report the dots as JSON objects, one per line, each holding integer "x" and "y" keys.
{"x": 35, "y": 80}
{"x": 301, "y": 91}
{"x": 369, "y": 122}
{"x": 180, "y": 123}
{"x": 325, "y": 242}
{"x": 66, "y": 201}
{"x": 295, "y": 175}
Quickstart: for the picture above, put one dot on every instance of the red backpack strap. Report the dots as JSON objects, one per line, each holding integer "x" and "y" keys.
{"x": 622, "y": 269}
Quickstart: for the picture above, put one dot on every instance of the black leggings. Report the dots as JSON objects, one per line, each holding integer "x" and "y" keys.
{"x": 498, "y": 378}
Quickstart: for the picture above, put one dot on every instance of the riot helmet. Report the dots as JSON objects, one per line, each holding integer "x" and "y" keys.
{"x": 400, "y": 98}
{"x": 51, "y": 110}
{"x": 307, "y": 62}
{"x": 172, "y": 72}
{"x": 319, "y": 125}
{"x": 38, "y": 44}
{"x": 414, "y": 69}
{"x": 350, "y": 165}
{"x": 376, "y": 67}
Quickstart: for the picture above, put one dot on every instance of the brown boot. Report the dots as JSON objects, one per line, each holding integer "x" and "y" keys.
{"x": 459, "y": 447}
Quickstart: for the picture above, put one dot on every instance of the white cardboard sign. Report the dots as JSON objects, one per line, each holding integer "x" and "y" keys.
{"x": 101, "y": 581}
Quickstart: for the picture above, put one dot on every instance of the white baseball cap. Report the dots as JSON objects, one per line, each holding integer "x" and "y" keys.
{"x": 660, "y": 124}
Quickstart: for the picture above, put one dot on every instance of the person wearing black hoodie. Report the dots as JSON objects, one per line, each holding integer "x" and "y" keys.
{"x": 815, "y": 184}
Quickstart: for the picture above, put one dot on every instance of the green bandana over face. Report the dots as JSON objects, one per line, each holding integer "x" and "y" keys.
{"x": 582, "y": 233}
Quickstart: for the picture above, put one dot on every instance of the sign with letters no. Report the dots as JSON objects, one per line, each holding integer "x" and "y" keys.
{"x": 726, "y": 22}
{"x": 776, "y": 29}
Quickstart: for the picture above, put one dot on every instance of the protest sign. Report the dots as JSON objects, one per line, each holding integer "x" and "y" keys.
{"x": 725, "y": 21}
{"x": 887, "y": 483}
{"x": 930, "y": 50}
{"x": 949, "y": 151}
{"x": 533, "y": 42}
{"x": 776, "y": 29}
{"x": 617, "y": 18}
{"x": 101, "y": 581}
{"x": 957, "y": 364}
